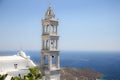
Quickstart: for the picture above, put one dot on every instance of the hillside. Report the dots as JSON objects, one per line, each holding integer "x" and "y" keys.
{"x": 79, "y": 74}
{"x": 67, "y": 73}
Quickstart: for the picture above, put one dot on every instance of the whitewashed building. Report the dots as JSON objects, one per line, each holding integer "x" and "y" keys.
{"x": 16, "y": 64}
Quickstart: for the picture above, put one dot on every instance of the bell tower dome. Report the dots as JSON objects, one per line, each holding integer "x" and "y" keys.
{"x": 49, "y": 14}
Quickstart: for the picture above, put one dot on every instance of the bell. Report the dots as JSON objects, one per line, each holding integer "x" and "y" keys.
{"x": 53, "y": 56}
{"x": 51, "y": 42}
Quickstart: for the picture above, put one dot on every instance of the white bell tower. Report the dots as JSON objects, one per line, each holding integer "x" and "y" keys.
{"x": 50, "y": 53}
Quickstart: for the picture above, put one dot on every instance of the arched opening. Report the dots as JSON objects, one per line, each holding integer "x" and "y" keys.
{"x": 46, "y": 60}
{"x": 53, "y": 59}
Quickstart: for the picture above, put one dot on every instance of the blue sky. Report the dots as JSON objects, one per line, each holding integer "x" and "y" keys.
{"x": 84, "y": 25}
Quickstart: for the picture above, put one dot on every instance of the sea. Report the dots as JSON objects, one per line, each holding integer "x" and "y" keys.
{"x": 107, "y": 63}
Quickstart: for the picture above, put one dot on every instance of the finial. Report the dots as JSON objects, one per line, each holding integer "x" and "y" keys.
{"x": 49, "y": 4}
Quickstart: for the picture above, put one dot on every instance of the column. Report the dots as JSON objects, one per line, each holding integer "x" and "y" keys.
{"x": 42, "y": 29}
{"x": 46, "y": 44}
{"x": 53, "y": 44}
{"x": 53, "y": 29}
{"x": 57, "y": 62}
{"x": 46, "y": 29}
{"x": 49, "y": 44}
{"x": 50, "y": 28}
{"x": 56, "y": 44}
{"x": 42, "y": 44}
{"x": 56, "y": 30}
{"x": 50, "y": 62}
{"x": 42, "y": 59}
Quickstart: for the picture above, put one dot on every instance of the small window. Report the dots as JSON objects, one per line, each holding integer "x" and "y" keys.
{"x": 15, "y": 66}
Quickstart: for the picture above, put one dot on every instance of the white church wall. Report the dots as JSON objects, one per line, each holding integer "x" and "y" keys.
{"x": 15, "y": 63}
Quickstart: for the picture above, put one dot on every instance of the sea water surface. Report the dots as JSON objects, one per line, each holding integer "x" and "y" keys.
{"x": 107, "y": 63}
